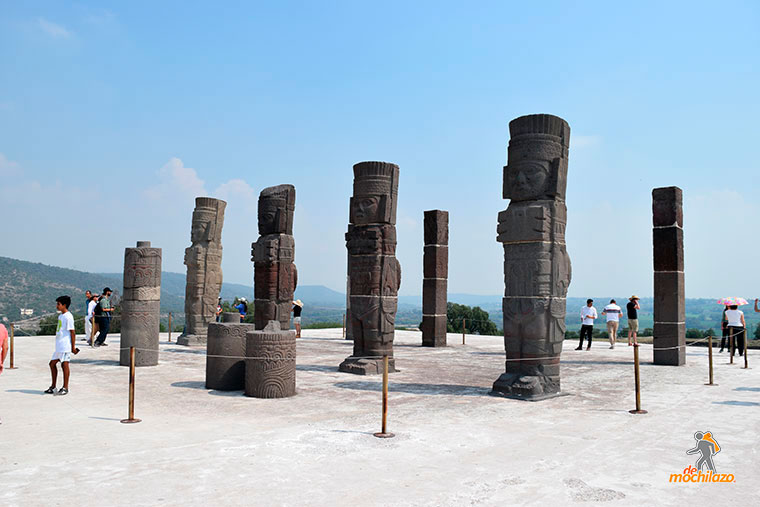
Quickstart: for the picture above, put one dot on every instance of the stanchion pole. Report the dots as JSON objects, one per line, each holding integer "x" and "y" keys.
{"x": 464, "y": 329}
{"x": 710, "y": 360}
{"x": 731, "y": 345}
{"x": 170, "y": 327}
{"x": 344, "y": 325}
{"x": 637, "y": 380}
{"x": 746, "y": 340}
{"x": 384, "y": 433}
{"x": 131, "y": 388}
{"x": 13, "y": 348}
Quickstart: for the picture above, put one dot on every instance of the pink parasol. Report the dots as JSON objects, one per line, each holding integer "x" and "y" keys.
{"x": 732, "y": 301}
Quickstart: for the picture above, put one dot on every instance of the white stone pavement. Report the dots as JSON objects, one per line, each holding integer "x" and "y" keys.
{"x": 455, "y": 445}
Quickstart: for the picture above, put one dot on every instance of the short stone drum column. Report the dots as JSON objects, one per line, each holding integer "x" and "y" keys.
{"x": 225, "y": 352}
{"x": 434, "y": 283}
{"x": 669, "y": 294}
{"x": 141, "y": 304}
{"x": 270, "y": 365}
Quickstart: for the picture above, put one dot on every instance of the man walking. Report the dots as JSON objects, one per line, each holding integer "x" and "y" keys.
{"x": 104, "y": 321}
{"x": 588, "y": 314}
{"x": 612, "y": 311}
{"x": 633, "y": 318}
{"x": 87, "y": 321}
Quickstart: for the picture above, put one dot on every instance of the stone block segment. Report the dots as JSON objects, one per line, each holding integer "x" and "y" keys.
{"x": 226, "y": 339}
{"x": 435, "y": 262}
{"x": 537, "y": 270}
{"x": 141, "y": 304}
{"x": 270, "y": 364}
{"x": 669, "y": 290}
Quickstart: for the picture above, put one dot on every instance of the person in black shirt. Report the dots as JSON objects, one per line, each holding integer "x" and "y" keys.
{"x": 724, "y": 330}
{"x": 297, "y": 307}
{"x": 633, "y": 318}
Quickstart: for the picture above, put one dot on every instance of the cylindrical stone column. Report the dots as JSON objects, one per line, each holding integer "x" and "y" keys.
{"x": 270, "y": 365}
{"x": 141, "y": 304}
{"x": 225, "y": 350}
{"x": 435, "y": 281}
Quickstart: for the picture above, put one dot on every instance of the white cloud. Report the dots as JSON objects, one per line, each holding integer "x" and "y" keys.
{"x": 581, "y": 141}
{"x": 53, "y": 29}
{"x": 176, "y": 180}
{"x": 8, "y": 167}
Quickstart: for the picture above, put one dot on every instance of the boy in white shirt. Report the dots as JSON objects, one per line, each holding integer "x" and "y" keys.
{"x": 613, "y": 313}
{"x": 588, "y": 314}
{"x": 65, "y": 343}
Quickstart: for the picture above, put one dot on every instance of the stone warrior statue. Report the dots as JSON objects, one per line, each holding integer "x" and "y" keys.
{"x": 536, "y": 265}
{"x": 374, "y": 271}
{"x": 204, "y": 269}
{"x": 275, "y": 276}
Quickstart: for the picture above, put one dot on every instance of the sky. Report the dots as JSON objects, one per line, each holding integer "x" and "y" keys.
{"x": 114, "y": 116}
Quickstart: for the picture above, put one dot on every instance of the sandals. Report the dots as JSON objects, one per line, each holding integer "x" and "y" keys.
{"x": 50, "y": 390}
{"x": 63, "y": 391}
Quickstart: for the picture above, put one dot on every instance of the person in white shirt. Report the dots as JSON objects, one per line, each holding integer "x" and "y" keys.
{"x": 613, "y": 312}
{"x": 588, "y": 314}
{"x": 65, "y": 345}
{"x": 89, "y": 320}
{"x": 736, "y": 325}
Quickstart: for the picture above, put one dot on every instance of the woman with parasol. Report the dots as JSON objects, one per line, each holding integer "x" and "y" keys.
{"x": 736, "y": 323}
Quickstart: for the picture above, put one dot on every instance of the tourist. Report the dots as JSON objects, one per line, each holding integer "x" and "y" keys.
{"x": 633, "y": 318}
{"x": 612, "y": 311}
{"x": 297, "y": 307}
{"x": 242, "y": 307}
{"x": 736, "y": 327}
{"x": 92, "y": 330}
{"x": 87, "y": 321}
{"x": 588, "y": 314}
{"x": 219, "y": 310}
{"x": 104, "y": 321}
{"x": 3, "y": 349}
{"x": 724, "y": 341}
{"x": 65, "y": 345}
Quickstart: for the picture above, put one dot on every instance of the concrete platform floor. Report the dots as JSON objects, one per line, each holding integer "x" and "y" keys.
{"x": 455, "y": 445}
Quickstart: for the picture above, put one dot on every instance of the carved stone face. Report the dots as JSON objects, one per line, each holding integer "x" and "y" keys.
{"x": 528, "y": 179}
{"x": 268, "y": 217}
{"x": 198, "y": 231}
{"x": 365, "y": 209}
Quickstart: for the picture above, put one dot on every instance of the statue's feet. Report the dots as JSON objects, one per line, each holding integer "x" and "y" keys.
{"x": 361, "y": 366}
{"x": 528, "y": 387}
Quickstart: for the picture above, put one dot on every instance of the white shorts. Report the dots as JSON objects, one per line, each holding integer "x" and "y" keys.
{"x": 63, "y": 357}
{"x": 296, "y": 320}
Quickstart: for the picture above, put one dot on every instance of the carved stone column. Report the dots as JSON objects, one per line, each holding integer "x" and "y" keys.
{"x": 275, "y": 276}
{"x": 536, "y": 263}
{"x": 669, "y": 292}
{"x": 225, "y": 352}
{"x": 270, "y": 365}
{"x": 204, "y": 269}
{"x": 141, "y": 304}
{"x": 435, "y": 273}
{"x": 374, "y": 271}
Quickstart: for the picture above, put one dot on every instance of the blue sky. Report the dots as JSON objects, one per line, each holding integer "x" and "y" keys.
{"x": 114, "y": 116}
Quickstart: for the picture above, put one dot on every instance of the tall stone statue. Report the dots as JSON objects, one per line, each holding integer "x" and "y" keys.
{"x": 669, "y": 292}
{"x": 435, "y": 278}
{"x": 141, "y": 304}
{"x": 374, "y": 271}
{"x": 537, "y": 268}
{"x": 275, "y": 276}
{"x": 204, "y": 269}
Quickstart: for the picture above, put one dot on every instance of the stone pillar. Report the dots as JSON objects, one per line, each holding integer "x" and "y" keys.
{"x": 227, "y": 339}
{"x": 536, "y": 264}
{"x": 669, "y": 294}
{"x": 374, "y": 271}
{"x": 270, "y": 365}
{"x": 204, "y": 269}
{"x": 435, "y": 278}
{"x": 275, "y": 276}
{"x": 141, "y": 304}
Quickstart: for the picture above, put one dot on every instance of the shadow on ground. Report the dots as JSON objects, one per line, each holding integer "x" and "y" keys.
{"x": 102, "y": 362}
{"x": 412, "y": 388}
{"x": 24, "y": 391}
{"x": 316, "y": 367}
{"x": 737, "y": 403}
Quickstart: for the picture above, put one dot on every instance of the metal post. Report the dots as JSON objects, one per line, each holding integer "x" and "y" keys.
{"x": 344, "y": 325}
{"x": 710, "y": 359}
{"x": 384, "y": 433}
{"x": 170, "y": 327}
{"x": 731, "y": 345}
{"x": 131, "y": 388}
{"x": 638, "y": 381}
{"x": 464, "y": 329}
{"x": 13, "y": 348}
{"x": 746, "y": 340}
